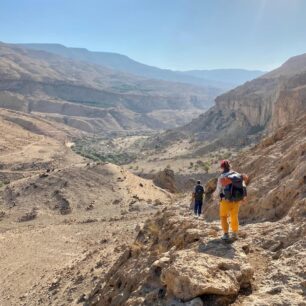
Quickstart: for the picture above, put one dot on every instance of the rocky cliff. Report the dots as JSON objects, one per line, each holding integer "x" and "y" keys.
{"x": 250, "y": 110}
{"x": 179, "y": 260}
{"x": 271, "y": 100}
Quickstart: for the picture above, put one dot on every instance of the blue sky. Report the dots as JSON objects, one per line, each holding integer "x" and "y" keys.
{"x": 176, "y": 34}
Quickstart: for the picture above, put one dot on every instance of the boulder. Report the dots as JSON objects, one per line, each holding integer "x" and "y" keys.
{"x": 166, "y": 180}
{"x": 194, "y": 273}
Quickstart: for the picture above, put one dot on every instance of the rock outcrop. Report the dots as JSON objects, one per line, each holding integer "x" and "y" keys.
{"x": 276, "y": 167}
{"x": 166, "y": 180}
{"x": 177, "y": 260}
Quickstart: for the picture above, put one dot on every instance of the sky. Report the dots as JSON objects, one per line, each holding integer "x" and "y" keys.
{"x": 174, "y": 34}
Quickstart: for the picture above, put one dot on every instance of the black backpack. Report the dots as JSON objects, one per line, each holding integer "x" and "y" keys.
{"x": 235, "y": 191}
{"x": 199, "y": 192}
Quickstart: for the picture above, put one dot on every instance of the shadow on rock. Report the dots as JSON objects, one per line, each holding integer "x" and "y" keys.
{"x": 217, "y": 247}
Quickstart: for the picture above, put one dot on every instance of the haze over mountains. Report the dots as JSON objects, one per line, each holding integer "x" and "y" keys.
{"x": 98, "y": 91}
{"x": 220, "y": 78}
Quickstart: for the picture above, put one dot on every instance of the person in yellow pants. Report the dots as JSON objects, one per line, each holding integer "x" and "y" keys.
{"x": 229, "y": 208}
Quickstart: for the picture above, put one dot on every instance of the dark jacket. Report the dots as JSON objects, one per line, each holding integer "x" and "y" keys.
{"x": 199, "y": 193}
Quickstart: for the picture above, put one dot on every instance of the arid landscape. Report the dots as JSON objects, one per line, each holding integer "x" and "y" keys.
{"x": 62, "y": 215}
{"x": 78, "y": 229}
{"x": 100, "y": 154}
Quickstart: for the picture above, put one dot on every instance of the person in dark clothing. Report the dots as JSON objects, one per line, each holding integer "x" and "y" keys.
{"x": 198, "y": 198}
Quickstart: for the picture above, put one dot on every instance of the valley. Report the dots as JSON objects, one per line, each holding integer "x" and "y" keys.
{"x": 94, "y": 98}
{"x": 97, "y": 167}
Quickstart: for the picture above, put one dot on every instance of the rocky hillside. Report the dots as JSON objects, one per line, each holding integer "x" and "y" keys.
{"x": 63, "y": 219}
{"x": 179, "y": 260}
{"x": 91, "y": 97}
{"x": 257, "y": 107}
{"x": 273, "y": 99}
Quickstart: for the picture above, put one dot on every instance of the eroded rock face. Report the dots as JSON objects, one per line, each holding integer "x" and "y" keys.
{"x": 166, "y": 180}
{"x": 271, "y": 101}
{"x": 243, "y": 114}
{"x": 276, "y": 168}
{"x": 173, "y": 259}
{"x": 196, "y": 273}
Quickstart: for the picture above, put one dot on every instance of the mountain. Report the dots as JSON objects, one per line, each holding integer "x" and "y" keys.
{"x": 244, "y": 113}
{"x": 94, "y": 98}
{"x": 221, "y": 78}
{"x": 231, "y": 77}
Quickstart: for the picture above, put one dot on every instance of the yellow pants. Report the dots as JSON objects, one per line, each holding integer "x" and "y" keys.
{"x": 231, "y": 209}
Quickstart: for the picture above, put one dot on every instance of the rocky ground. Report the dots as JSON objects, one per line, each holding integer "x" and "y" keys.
{"x": 63, "y": 219}
{"x": 65, "y": 228}
{"x": 77, "y": 232}
{"x": 179, "y": 260}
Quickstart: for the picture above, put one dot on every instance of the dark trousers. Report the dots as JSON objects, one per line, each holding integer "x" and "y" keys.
{"x": 198, "y": 207}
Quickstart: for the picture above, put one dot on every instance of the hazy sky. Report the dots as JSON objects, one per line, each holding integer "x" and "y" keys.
{"x": 176, "y": 34}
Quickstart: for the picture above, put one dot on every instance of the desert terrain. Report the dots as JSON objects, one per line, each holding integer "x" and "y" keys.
{"x": 96, "y": 173}
{"x": 62, "y": 214}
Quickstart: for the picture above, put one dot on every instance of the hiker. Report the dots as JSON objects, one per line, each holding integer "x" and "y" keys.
{"x": 198, "y": 198}
{"x": 231, "y": 189}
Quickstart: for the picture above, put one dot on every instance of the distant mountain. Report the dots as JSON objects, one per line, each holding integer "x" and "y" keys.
{"x": 220, "y": 78}
{"x": 231, "y": 77}
{"x": 244, "y": 113}
{"x": 94, "y": 98}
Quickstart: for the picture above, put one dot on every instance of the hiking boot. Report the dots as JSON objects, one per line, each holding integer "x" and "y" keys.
{"x": 234, "y": 236}
{"x": 225, "y": 237}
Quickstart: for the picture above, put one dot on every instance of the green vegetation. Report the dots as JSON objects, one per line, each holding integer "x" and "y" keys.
{"x": 190, "y": 165}
{"x": 3, "y": 183}
{"x": 101, "y": 104}
{"x": 200, "y": 165}
{"x": 92, "y": 149}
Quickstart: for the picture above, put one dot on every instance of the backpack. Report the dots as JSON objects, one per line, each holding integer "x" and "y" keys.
{"x": 235, "y": 189}
{"x": 199, "y": 192}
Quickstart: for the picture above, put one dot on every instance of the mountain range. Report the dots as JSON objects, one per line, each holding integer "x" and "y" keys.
{"x": 100, "y": 91}
{"x": 220, "y": 78}
{"x": 93, "y": 98}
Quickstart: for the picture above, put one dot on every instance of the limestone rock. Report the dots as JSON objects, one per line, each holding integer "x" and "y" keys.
{"x": 194, "y": 274}
{"x": 165, "y": 179}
